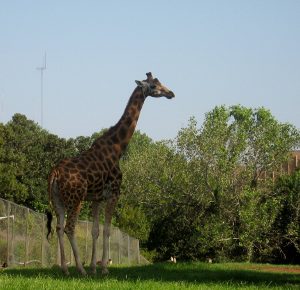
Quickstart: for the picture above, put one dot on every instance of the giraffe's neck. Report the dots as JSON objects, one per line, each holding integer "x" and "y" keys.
{"x": 120, "y": 134}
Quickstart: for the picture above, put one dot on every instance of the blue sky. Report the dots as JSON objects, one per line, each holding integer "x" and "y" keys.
{"x": 208, "y": 52}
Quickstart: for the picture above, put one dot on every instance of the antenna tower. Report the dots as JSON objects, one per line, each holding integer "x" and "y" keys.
{"x": 41, "y": 69}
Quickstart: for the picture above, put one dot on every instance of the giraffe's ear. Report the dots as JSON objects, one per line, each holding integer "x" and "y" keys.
{"x": 139, "y": 83}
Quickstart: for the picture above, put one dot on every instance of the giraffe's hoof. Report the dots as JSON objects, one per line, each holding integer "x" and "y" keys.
{"x": 104, "y": 271}
{"x": 82, "y": 271}
{"x": 93, "y": 271}
{"x": 66, "y": 271}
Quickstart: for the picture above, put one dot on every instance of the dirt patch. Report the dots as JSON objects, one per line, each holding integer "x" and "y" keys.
{"x": 281, "y": 269}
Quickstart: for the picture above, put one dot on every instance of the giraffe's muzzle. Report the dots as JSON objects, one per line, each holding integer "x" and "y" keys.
{"x": 170, "y": 95}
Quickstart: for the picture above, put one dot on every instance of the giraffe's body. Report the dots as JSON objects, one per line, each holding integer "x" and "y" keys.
{"x": 95, "y": 176}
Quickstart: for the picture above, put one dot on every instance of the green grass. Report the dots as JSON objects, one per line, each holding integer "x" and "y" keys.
{"x": 158, "y": 276}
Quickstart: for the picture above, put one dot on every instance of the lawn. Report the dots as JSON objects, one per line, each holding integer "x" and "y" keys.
{"x": 158, "y": 276}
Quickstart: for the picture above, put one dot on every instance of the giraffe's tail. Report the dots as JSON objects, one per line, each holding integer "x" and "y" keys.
{"x": 49, "y": 221}
{"x": 51, "y": 187}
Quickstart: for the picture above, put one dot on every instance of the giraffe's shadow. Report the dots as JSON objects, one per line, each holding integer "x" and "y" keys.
{"x": 165, "y": 273}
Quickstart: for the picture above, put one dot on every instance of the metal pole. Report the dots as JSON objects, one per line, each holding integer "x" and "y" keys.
{"x": 7, "y": 233}
{"x": 128, "y": 248}
{"x": 109, "y": 257}
{"x": 42, "y": 240}
{"x": 86, "y": 241}
{"x": 26, "y": 238}
{"x": 119, "y": 246}
{"x": 12, "y": 246}
{"x": 138, "y": 251}
{"x": 42, "y": 101}
{"x": 42, "y": 68}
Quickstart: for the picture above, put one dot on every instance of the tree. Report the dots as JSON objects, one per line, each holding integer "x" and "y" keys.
{"x": 130, "y": 212}
{"x": 27, "y": 154}
{"x": 9, "y": 172}
{"x": 207, "y": 193}
{"x": 229, "y": 154}
{"x": 284, "y": 235}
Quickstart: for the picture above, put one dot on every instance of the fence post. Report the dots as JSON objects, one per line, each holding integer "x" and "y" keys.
{"x": 109, "y": 257}
{"x": 86, "y": 241}
{"x": 12, "y": 245}
{"x": 42, "y": 240}
{"x": 138, "y": 251}
{"x": 128, "y": 248}
{"x": 7, "y": 233}
{"x": 26, "y": 238}
{"x": 119, "y": 246}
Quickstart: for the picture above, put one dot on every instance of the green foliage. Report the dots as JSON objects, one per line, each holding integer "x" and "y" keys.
{"x": 258, "y": 213}
{"x": 284, "y": 234}
{"x": 27, "y": 154}
{"x": 132, "y": 219}
{"x": 198, "y": 196}
{"x": 217, "y": 206}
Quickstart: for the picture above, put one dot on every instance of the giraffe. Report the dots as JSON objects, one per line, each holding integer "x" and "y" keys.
{"x": 95, "y": 176}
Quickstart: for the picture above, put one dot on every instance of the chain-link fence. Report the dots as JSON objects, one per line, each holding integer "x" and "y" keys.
{"x": 23, "y": 240}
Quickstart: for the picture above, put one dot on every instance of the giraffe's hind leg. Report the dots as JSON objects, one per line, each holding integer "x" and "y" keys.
{"x": 60, "y": 215}
{"x": 95, "y": 234}
{"x": 72, "y": 216}
{"x": 60, "y": 234}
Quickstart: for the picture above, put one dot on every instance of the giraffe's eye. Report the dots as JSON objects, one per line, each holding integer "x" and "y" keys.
{"x": 152, "y": 87}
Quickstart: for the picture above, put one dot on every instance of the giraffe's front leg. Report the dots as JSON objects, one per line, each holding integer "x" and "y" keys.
{"x": 110, "y": 207}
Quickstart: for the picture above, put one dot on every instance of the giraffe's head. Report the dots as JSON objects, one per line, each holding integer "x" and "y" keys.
{"x": 152, "y": 87}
